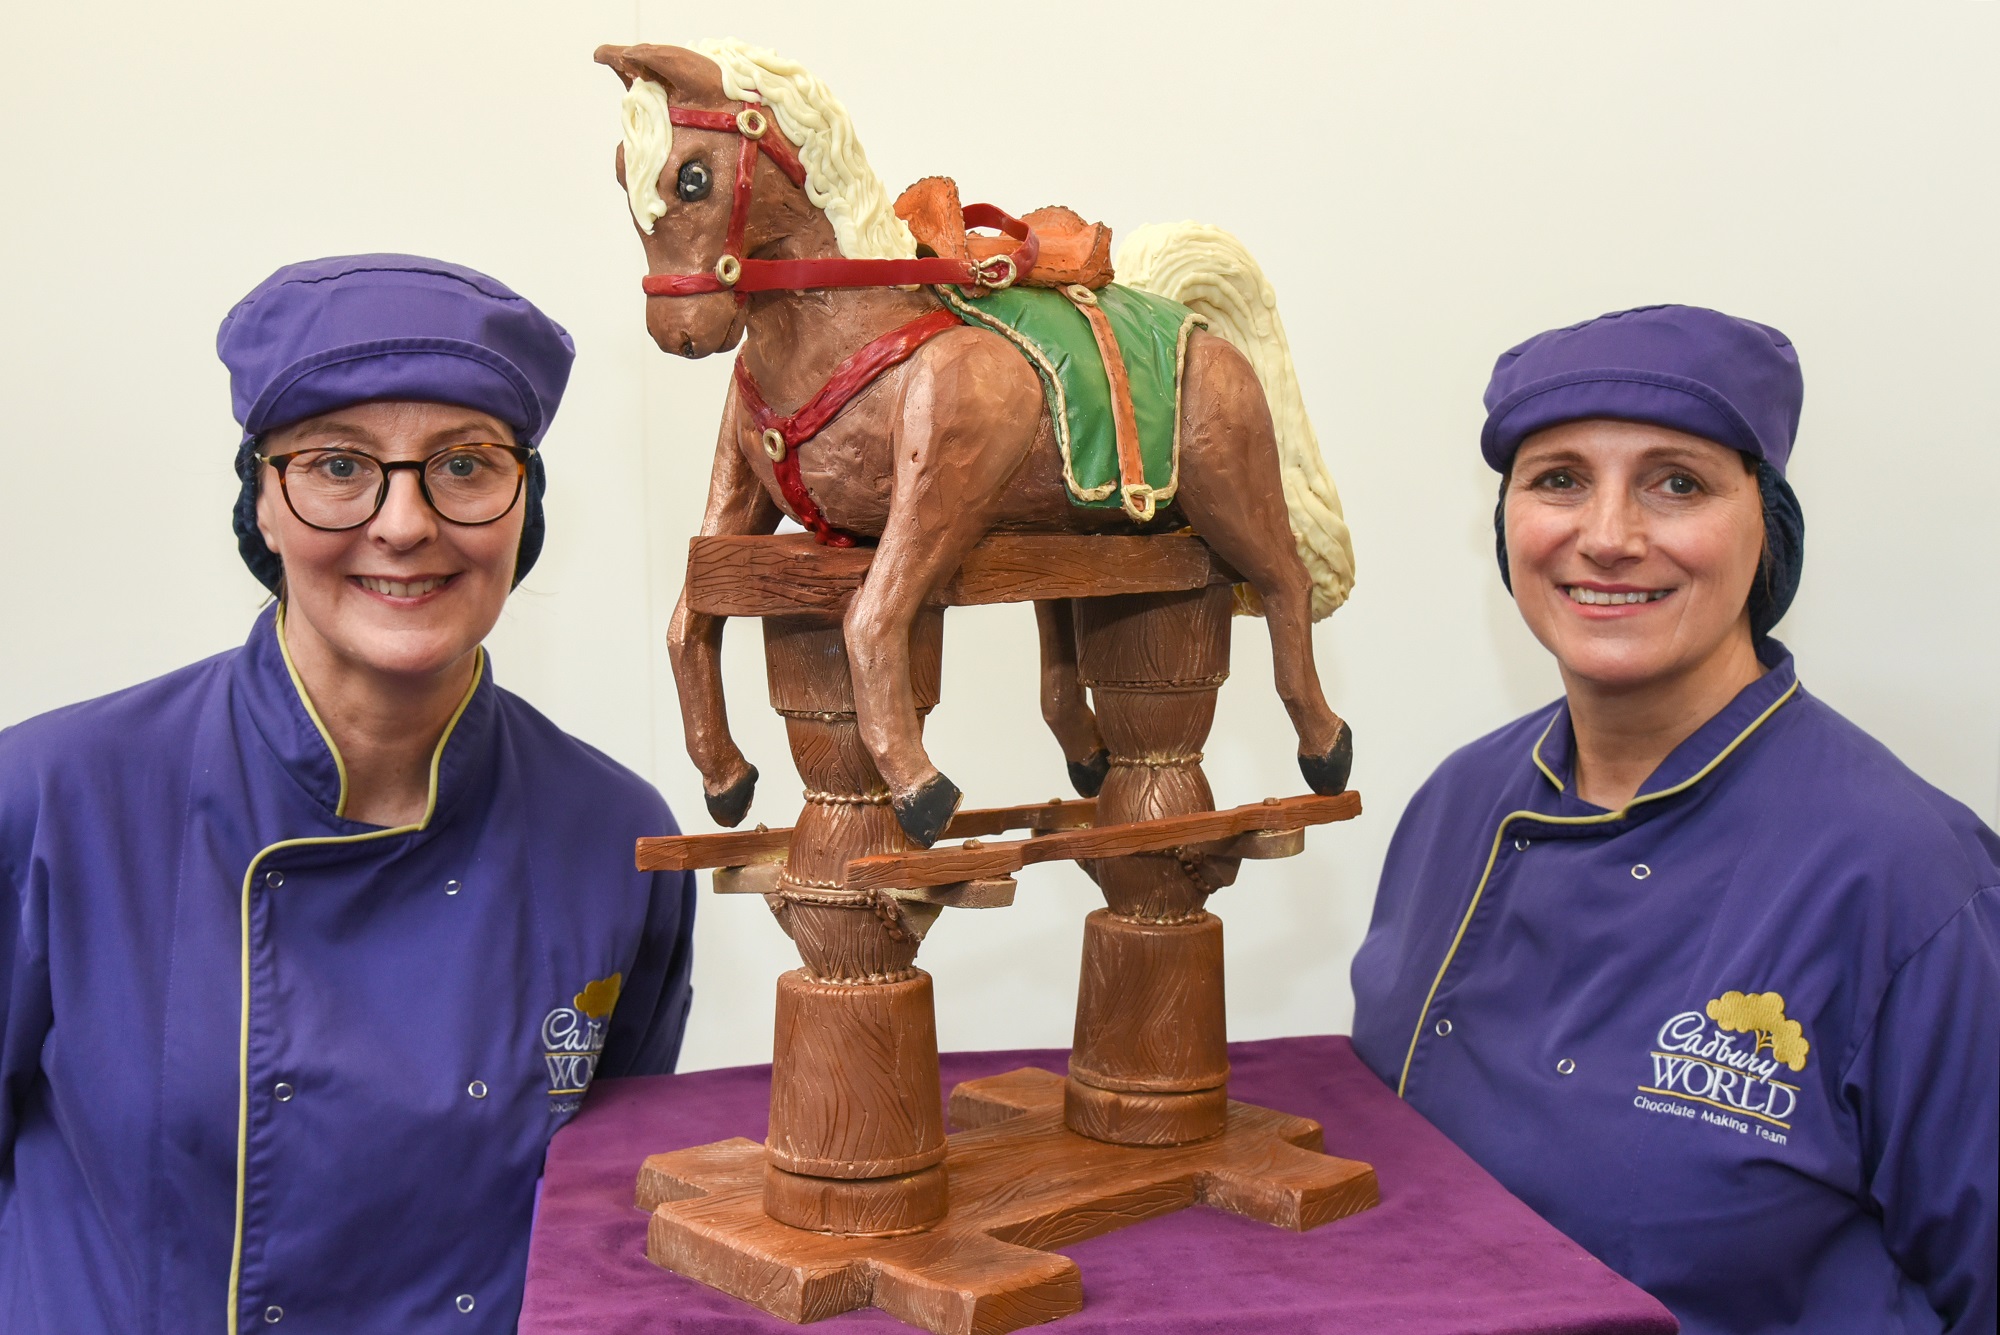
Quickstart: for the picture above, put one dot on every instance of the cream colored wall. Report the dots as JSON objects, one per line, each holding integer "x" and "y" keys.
{"x": 1426, "y": 184}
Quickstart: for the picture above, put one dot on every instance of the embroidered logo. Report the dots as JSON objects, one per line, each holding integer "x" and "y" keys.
{"x": 573, "y": 1040}
{"x": 1720, "y": 1065}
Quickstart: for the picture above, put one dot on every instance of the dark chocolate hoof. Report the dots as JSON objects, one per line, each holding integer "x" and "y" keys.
{"x": 729, "y": 806}
{"x": 924, "y": 813}
{"x": 1087, "y": 776}
{"x": 1327, "y": 774}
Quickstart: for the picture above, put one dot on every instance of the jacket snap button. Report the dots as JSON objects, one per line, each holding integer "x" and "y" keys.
{"x": 282, "y": 1092}
{"x": 274, "y": 879}
{"x": 1520, "y": 845}
{"x": 1641, "y": 872}
{"x": 477, "y": 1089}
{"x": 1565, "y": 1067}
{"x": 465, "y": 1302}
{"x": 273, "y": 1315}
{"x": 451, "y": 887}
{"x": 1443, "y": 1028}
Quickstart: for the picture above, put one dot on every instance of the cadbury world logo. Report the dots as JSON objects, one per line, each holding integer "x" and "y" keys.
{"x": 1721, "y": 1063}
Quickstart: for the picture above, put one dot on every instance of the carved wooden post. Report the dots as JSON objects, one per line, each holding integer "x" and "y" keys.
{"x": 857, "y": 1141}
{"x": 1150, "y": 1064}
{"x": 856, "y": 1152}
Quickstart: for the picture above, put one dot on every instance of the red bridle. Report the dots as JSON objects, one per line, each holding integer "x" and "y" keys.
{"x": 735, "y": 272}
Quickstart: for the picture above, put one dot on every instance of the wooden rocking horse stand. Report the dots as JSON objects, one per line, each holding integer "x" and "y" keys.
{"x": 858, "y": 1197}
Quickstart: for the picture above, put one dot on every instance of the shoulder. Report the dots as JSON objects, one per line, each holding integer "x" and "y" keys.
{"x": 571, "y": 778}
{"x": 1493, "y": 764}
{"x": 974, "y": 364}
{"x": 117, "y": 726}
{"x": 1862, "y": 803}
{"x": 1859, "y": 859}
{"x": 86, "y": 754}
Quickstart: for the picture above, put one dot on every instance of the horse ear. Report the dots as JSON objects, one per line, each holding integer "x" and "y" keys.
{"x": 688, "y": 76}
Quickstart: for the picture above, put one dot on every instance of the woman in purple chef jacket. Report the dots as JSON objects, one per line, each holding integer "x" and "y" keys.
{"x": 1689, "y": 962}
{"x": 307, "y": 949}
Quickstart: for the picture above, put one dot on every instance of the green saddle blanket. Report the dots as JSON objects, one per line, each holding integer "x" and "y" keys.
{"x": 1055, "y": 337}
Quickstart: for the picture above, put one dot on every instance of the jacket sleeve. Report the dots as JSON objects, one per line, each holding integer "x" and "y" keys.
{"x": 1926, "y": 1082}
{"x": 646, "y": 1029}
{"x": 26, "y": 1011}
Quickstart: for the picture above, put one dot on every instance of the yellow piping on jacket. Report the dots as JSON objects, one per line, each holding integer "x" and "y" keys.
{"x": 249, "y": 875}
{"x": 1499, "y": 834}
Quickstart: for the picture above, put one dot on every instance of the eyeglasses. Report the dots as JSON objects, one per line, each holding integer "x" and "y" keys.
{"x": 335, "y": 489}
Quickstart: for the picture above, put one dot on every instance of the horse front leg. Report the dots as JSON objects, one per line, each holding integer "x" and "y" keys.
{"x": 728, "y": 779}
{"x": 967, "y": 417}
{"x": 1064, "y": 706}
{"x": 737, "y": 504}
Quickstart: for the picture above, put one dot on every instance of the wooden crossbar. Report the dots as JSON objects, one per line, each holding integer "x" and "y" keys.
{"x": 742, "y": 848}
{"x": 741, "y": 576}
{"x": 943, "y": 866}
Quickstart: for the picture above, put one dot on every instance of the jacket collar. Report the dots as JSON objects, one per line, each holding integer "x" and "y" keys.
{"x": 1554, "y": 754}
{"x": 283, "y": 715}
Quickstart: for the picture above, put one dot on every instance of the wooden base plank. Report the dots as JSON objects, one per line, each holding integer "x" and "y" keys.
{"x": 763, "y": 845}
{"x": 1020, "y": 1183}
{"x": 758, "y": 576}
{"x": 975, "y": 860}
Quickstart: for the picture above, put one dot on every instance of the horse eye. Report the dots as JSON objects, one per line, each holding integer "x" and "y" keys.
{"x": 693, "y": 183}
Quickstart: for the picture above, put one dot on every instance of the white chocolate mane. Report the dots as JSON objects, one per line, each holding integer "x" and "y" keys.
{"x": 1210, "y": 271}
{"x": 649, "y": 142}
{"x": 839, "y": 180}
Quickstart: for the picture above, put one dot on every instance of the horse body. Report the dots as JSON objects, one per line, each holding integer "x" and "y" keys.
{"x": 943, "y": 448}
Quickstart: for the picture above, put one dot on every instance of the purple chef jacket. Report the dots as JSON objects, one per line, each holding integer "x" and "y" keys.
{"x": 249, "y": 1047}
{"x": 1742, "y": 1040}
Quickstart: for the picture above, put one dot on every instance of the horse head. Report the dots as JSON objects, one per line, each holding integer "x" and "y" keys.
{"x": 680, "y": 167}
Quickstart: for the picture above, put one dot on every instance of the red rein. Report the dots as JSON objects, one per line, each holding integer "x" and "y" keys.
{"x": 734, "y": 272}
{"x": 783, "y": 435}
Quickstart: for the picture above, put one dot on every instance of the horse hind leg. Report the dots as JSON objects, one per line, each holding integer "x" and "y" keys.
{"x": 1064, "y": 706}
{"x": 1231, "y": 492}
{"x": 1272, "y": 567}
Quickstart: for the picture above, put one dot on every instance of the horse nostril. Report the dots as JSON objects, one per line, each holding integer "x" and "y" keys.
{"x": 687, "y": 346}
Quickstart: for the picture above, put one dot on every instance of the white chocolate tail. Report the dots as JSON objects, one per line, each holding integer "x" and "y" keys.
{"x": 1210, "y": 271}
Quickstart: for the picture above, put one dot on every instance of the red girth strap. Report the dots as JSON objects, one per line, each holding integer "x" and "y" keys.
{"x": 784, "y": 435}
{"x": 735, "y": 272}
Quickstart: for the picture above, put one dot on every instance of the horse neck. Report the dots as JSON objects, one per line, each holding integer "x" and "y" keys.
{"x": 796, "y": 340}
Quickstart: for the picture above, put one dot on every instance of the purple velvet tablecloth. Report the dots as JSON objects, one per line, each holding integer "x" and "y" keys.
{"x": 1447, "y": 1251}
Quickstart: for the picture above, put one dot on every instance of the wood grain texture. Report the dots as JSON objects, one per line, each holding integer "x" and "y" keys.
{"x": 1149, "y": 1006}
{"x": 875, "y": 1207}
{"x": 757, "y": 576}
{"x": 1126, "y": 1118}
{"x": 939, "y": 866}
{"x": 1020, "y": 1183}
{"x": 729, "y": 848}
{"x": 851, "y": 1066}
{"x": 738, "y": 848}
{"x": 1154, "y": 663}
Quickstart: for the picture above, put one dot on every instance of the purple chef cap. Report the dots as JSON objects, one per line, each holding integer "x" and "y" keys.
{"x": 326, "y": 333}
{"x": 1735, "y": 382}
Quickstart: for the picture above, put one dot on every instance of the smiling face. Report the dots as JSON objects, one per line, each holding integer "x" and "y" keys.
{"x": 407, "y": 594}
{"x": 1632, "y": 549}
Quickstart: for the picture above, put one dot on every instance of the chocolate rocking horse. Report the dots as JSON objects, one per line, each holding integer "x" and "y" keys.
{"x": 956, "y": 418}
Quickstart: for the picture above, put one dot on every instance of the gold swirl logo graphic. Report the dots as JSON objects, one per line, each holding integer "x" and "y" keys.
{"x": 601, "y": 994}
{"x": 1762, "y": 1014}
{"x": 1702, "y": 1071}
{"x": 573, "y": 1040}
